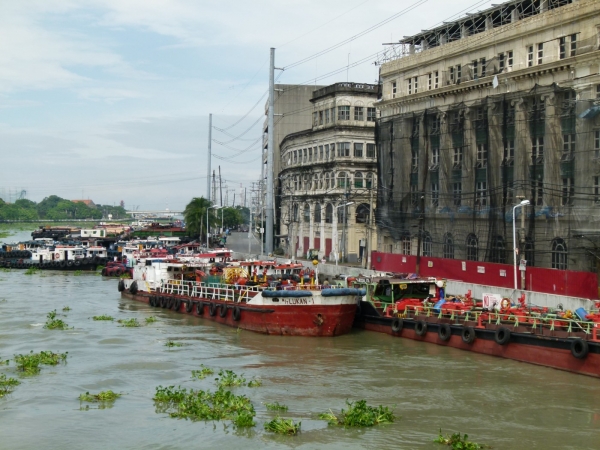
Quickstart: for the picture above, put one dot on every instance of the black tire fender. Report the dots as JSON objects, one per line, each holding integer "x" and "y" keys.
{"x": 200, "y": 308}
{"x": 421, "y": 328}
{"x": 237, "y": 313}
{"x": 502, "y": 336}
{"x": 189, "y": 306}
{"x": 468, "y": 335}
{"x": 212, "y": 309}
{"x": 176, "y": 304}
{"x": 121, "y": 286}
{"x": 579, "y": 348}
{"x": 222, "y": 310}
{"x": 397, "y": 325}
{"x": 444, "y": 332}
{"x": 133, "y": 288}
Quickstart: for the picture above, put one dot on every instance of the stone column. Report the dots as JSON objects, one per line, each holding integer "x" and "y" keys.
{"x": 311, "y": 228}
{"x": 522, "y": 150}
{"x": 553, "y": 143}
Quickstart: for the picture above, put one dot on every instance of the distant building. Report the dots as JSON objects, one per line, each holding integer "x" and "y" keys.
{"x": 89, "y": 203}
{"x": 481, "y": 113}
{"x": 328, "y": 175}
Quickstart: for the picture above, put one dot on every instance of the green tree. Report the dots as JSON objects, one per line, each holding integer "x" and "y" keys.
{"x": 245, "y": 214}
{"x": 195, "y": 217}
{"x": 232, "y": 217}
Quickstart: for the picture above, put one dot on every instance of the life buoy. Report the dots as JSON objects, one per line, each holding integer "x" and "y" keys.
{"x": 421, "y": 328}
{"x": 579, "y": 348}
{"x": 502, "y": 336}
{"x": 222, "y": 310}
{"x": 236, "y": 314}
{"x": 212, "y": 309}
{"x": 444, "y": 332}
{"x": 397, "y": 325}
{"x": 468, "y": 335}
{"x": 505, "y": 304}
{"x": 57, "y": 255}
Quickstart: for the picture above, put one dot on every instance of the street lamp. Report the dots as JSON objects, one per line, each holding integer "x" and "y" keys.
{"x": 343, "y": 231}
{"x": 207, "y": 233}
{"x": 515, "y": 247}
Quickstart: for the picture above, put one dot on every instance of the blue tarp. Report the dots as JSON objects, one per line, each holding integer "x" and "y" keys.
{"x": 288, "y": 294}
{"x": 342, "y": 291}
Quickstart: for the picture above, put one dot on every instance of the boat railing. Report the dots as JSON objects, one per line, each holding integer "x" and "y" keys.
{"x": 217, "y": 291}
{"x": 533, "y": 320}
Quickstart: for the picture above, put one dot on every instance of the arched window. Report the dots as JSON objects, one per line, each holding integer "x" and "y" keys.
{"x": 472, "y": 247}
{"x": 342, "y": 180}
{"x": 329, "y": 213}
{"x": 529, "y": 251}
{"x": 405, "y": 244}
{"x": 427, "y": 244}
{"x": 358, "y": 180}
{"x": 498, "y": 253}
{"x": 559, "y": 254}
{"x": 318, "y": 213}
{"x": 306, "y": 213}
{"x": 369, "y": 180}
{"x": 448, "y": 246}
{"x": 362, "y": 213}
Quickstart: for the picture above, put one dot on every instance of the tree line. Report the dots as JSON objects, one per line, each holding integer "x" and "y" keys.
{"x": 56, "y": 208}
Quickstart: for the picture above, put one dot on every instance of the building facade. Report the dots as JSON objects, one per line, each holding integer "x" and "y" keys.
{"x": 328, "y": 176}
{"x": 485, "y": 112}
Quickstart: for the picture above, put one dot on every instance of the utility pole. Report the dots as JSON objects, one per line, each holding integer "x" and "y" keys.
{"x": 271, "y": 152}
{"x": 209, "y": 157}
{"x": 220, "y": 187}
{"x": 367, "y": 256}
{"x": 214, "y": 186}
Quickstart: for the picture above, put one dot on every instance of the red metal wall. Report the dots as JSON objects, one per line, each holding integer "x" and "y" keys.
{"x": 551, "y": 281}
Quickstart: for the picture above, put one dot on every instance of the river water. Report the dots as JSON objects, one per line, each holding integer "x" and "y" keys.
{"x": 505, "y": 404}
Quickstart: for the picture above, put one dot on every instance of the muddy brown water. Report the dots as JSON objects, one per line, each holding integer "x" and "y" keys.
{"x": 505, "y": 404}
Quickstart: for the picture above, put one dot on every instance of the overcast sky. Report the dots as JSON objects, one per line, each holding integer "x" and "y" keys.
{"x": 109, "y": 99}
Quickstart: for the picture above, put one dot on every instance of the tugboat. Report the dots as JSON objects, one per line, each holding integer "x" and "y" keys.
{"x": 418, "y": 308}
{"x": 290, "y": 309}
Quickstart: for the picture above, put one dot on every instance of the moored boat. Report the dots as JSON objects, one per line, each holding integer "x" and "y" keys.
{"x": 418, "y": 309}
{"x": 301, "y": 310}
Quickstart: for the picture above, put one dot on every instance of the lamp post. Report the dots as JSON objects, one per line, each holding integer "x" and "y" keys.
{"x": 207, "y": 233}
{"x": 343, "y": 231}
{"x": 515, "y": 247}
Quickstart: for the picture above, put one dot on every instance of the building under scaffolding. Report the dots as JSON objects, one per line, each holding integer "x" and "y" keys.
{"x": 481, "y": 113}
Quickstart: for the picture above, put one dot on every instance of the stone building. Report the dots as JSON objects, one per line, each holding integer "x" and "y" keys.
{"x": 484, "y": 112}
{"x": 328, "y": 176}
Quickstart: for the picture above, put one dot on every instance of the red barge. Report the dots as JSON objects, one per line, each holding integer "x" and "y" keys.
{"x": 301, "y": 310}
{"x": 418, "y": 309}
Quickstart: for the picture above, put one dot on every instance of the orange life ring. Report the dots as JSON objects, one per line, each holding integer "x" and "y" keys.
{"x": 57, "y": 255}
{"x": 505, "y": 304}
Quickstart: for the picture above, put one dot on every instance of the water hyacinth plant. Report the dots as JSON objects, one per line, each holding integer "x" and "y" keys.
{"x": 52, "y": 323}
{"x": 129, "y": 323}
{"x": 7, "y": 385}
{"x": 359, "y": 414}
{"x": 32, "y": 270}
{"x": 276, "y": 406}
{"x": 458, "y": 442}
{"x": 255, "y": 382}
{"x": 283, "y": 426}
{"x": 103, "y": 317}
{"x": 205, "y": 405}
{"x": 171, "y": 344}
{"x": 202, "y": 373}
{"x": 227, "y": 378}
{"x": 30, "y": 364}
{"x": 104, "y": 396}
{"x": 151, "y": 319}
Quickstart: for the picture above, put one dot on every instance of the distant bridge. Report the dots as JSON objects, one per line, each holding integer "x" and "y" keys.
{"x": 162, "y": 213}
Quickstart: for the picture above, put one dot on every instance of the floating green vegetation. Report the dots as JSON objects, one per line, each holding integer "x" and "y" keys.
{"x": 202, "y": 373}
{"x": 228, "y": 378}
{"x": 172, "y": 344}
{"x": 78, "y": 272}
{"x": 458, "y": 442}
{"x": 104, "y": 396}
{"x": 283, "y": 426}
{"x": 276, "y": 406}
{"x": 32, "y": 270}
{"x": 30, "y": 364}
{"x": 52, "y": 323}
{"x": 7, "y": 385}
{"x": 359, "y": 414}
{"x": 151, "y": 319}
{"x": 125, "y": 276}
{"x": 4, "y": 234}
{"x": 205, "y": 405}
{"x": 5, "y": 269}
{"x": 255, "y": 382}
{"x": 130, "y": 323}
{"x": 103, "y": 317}
{"x": 66, "y": 308}
{"x": 99, "y": 270}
